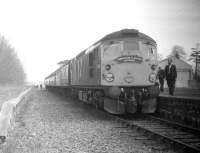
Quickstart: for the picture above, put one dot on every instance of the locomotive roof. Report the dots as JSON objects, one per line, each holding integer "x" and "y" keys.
{"x": 126, "y": 33}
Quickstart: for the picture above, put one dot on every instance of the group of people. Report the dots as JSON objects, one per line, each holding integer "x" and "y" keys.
{"x": 170, "y": 74}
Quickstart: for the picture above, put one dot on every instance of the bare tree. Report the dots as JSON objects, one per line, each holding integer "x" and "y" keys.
{"x": 178, "y": 52}
{"x": 11, "y": 69}
{"x": 195, "y": 57}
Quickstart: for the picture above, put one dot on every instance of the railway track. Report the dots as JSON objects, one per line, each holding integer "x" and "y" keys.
{"x": 180, "y": 137}
{"x": 150, "y": 128}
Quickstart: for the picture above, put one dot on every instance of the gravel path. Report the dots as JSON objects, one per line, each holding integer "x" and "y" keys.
{"x": 49, "y": 124}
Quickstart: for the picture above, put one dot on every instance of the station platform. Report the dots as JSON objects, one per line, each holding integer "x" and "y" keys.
{"x": 183, "y": 107}
{"x": 182, "y": 92}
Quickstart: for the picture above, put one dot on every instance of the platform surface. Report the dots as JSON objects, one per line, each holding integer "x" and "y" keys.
{"x": 183, "y": 92}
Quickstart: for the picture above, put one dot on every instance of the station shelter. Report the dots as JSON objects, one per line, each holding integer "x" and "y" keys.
{"x": 184, "y": 71}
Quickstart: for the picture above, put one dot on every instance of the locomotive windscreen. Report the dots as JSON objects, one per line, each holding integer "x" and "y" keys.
{"x": 131, "y": 45}
{"x": 122, "y": 51}
{"x": 112, "y": 50}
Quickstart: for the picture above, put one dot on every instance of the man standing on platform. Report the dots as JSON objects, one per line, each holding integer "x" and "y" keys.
{"x": 161, "y": 77}
{"x": 171, "y": 75}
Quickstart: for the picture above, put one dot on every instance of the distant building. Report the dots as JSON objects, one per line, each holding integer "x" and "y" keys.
{"x": 184, "y": 71}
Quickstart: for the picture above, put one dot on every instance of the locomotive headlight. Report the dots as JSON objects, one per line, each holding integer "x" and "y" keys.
{"x": 109, "y": 77}
{"x": 108, "y": 67}
{"x": 153, "y": 67}
{"x": 152, "y": 77}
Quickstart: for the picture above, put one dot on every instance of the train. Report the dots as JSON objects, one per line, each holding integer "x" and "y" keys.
{"x": 117, "y": 74}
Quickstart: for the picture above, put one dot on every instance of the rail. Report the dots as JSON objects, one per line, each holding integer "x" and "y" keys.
{"x": 179, "y": 136}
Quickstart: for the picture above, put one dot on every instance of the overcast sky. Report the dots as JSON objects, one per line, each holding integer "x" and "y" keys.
{"x": 43, "y": 32}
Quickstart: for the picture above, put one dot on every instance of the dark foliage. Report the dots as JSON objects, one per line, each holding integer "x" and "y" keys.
{"x": 195, "y": 57}
{"x": 11, "y": 69}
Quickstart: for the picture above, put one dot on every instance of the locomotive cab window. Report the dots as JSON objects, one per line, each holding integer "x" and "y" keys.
{"x": 152, "y": 51}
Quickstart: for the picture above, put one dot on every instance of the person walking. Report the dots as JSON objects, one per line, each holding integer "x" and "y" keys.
{"x": 40, "y": 86}
{"x": 171, "y": 75}
{"x": 161, "y": 77}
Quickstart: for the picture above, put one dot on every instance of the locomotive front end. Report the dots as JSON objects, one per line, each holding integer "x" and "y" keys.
{"x": 128, "y": 70}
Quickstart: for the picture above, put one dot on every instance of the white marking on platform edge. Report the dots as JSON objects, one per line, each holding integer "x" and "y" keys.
{"x": 7, "y": 111}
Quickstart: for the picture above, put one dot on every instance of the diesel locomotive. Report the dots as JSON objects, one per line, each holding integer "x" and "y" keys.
{"x": 117, "y": 74}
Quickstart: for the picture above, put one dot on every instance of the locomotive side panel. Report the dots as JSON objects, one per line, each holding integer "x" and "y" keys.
{"x": 86, "y": 69}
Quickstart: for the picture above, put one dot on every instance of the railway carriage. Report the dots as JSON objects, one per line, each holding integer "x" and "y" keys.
{"x": 116, "y": 73}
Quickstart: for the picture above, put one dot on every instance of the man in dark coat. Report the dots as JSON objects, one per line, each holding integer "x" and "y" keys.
{"x": 161, "y": 76}
{"x": 171, "y": 75}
